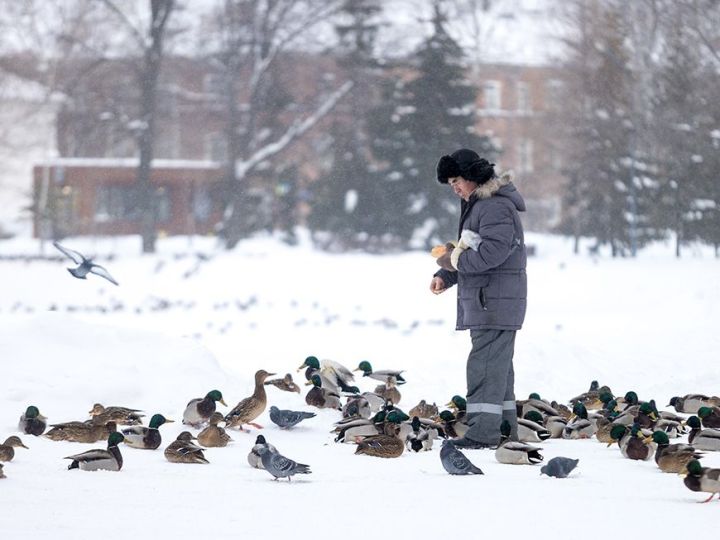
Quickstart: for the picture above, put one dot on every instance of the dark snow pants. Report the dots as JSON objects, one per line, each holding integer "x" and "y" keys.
{"x": 491, "y": 382}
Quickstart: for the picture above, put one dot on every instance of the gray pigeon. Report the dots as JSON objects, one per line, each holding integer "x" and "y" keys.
{"x": 559, "y": 467}
{"x": 287, "y": 419}
{"x": 85, "y": 265}
{"x": 254, "y": 457}
{"x": 455, "y": 462}
{"x": 280, "y": 466}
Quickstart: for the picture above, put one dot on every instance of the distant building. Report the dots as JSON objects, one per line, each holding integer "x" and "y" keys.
{"x": 93, "y": 180}
{"x": 515, "y": 109}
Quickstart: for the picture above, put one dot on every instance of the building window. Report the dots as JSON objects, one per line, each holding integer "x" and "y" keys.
{"x": 525, "y": 155}
{"x": 553, "y": 94}
{"x": 213, "y": 84}
{"x": 201, "y": 203}
{"x": 523, "y": 97}
{"x": 121, "y": 203}
{"x": 491, "y": 95}
{"x": 216, "y": 147}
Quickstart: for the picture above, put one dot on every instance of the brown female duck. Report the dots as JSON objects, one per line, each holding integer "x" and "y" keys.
{"x": 122, "y": 416}
{"x": 214, "y": 435}
{"x": 84, "y": 432}
{"x": 286, "y": 384}
{"x": 251, "y": 407}
{"x": 7, "y": 449}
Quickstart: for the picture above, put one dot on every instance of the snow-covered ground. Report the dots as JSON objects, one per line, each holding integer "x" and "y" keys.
{"x": 193, "y": 318}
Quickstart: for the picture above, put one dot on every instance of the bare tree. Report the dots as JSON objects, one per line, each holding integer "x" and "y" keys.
{"x": 150, "y": 42}
{"x": 254, "y": 35}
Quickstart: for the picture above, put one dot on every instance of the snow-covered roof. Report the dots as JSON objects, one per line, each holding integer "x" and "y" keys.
{"x": 129, "y": 163}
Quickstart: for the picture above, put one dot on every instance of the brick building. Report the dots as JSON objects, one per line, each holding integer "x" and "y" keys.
{"x": 90, "y": 195}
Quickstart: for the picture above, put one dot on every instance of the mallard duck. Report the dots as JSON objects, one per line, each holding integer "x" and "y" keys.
{"x": 514, "y": 452}
{"x": 320, "y": 397}
{"x": 580, "y": 427}
{"x": 253, "y": 457}
{"x": 703, "y": 439}
{"x": 671, "y": 428}
{"x": 531, "y": 428}
{"x": 420, "y": 438}
{"x": 703, "y": 479}
{"x": 672, "y": 458}
{"x": 639, "y": 446}
{"x": 122, "y": 416}
{"x": 214, "y": 435}
{"x": 709, "y": 416}
{"x": 452, "y": 427}
{"x": 591, "y": 398}
{"x": 182, "y": 450}
{"x": 691, "y": 403}
{"x": 357, "y": 407}
{"x": 555, "y": 425}
{"x": 424, "y": 410}
{"x": 353, "y": 430}
{"x": 199, "y": 410}
{"x": 7, "y": 449}
{"x": 563, "y": 410}
{"x": 381, "y": 375}
{"x": 540, "y": 406}
{"x": 286, "y": 384}
{"x": 337, "y": 375}
{"x": 384, "y": 446}
{"x": 604, "y": 426}
{"x": 251, "y": 407}
{"x": 32, "y": 422}
{"x": 647, "y": 415}
{"x": 99, "y": 459}
{"x": 147, "y": 438}
{"x": 84, "y": 432}
{"x": 458, "y": 405}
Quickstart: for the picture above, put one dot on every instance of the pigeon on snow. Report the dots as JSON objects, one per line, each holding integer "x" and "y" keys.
{"x": 280, "y": 466}
{"x": 559, "y": 467}
{"x": 85, "y": 265}
{"x": 286, "y": 418}
{"x": 455, "y": 462}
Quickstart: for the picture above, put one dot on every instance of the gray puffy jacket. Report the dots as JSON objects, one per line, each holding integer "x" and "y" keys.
{"x": 492, "y": 283}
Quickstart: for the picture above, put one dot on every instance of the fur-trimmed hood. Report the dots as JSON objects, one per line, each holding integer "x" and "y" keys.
{"x": 503, "y": 187}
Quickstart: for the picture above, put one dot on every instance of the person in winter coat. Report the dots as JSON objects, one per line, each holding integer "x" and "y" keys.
{"x": 488, "y": 267}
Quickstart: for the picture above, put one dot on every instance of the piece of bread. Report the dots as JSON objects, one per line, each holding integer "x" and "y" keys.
{"x": 438, "y": 251}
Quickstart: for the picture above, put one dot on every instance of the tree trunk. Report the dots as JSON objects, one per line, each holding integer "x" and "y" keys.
{"x": 150, "y": 73}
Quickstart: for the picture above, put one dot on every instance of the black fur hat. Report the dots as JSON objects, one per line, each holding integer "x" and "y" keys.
{"x": 467, "y": 164}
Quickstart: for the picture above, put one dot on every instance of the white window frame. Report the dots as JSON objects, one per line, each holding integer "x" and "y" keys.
{"x": 523, "y": 97}
{"x": 525, "y": 155}
{"x": 492, "y": 95}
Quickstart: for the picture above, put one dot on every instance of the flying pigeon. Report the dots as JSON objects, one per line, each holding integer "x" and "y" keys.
{"x": 280, "y": 466}
{"x": 455, "y": 462}
{"x": 559, "y": 467}
{"x": 287, "y": 419}
{"x": 86, "y": 265}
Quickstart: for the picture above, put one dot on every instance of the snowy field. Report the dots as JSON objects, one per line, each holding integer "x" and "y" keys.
{"x": 194, "y": 318}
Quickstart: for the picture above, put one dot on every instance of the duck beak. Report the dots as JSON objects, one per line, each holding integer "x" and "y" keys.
{"x": 610, "y": 444}
{"x": 452, "y": 406}
{"x": 168, "y": 421}
{"x": 302, "y": 366}
{"x": 271, "y": 374}
{"x": 223, "y": 402}
{"x": 308, "y": 383}
{"x": 42, "y": 417}
{"x": 22, "y": 445}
